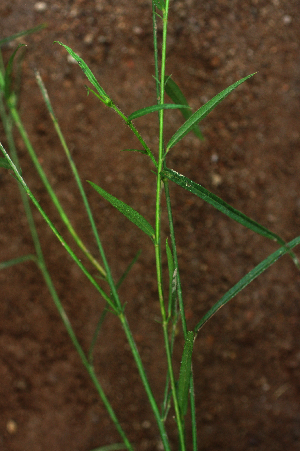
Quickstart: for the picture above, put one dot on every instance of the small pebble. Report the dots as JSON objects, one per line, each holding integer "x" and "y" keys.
{"x": 287, "y": 19}
{"x": 216, "y": 179}
{"x": 137, "y": 30}
{"x": 11, "y": 427}
{"x": 146, "y": 424}
{"x": 88, "y": 38}
{"x": 40, "y": 7}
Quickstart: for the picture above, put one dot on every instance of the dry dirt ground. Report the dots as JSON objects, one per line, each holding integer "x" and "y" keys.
{"x": 247, "y": 358}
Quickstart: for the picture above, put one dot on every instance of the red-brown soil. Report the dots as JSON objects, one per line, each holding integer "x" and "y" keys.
{"x": 247, "y": 358}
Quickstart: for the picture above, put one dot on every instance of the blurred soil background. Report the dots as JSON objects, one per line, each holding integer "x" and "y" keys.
{"x": 247, "y": 358}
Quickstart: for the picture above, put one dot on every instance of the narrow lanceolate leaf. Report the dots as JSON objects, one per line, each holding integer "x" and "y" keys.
{"x": 255, "y": 272}
{"x": 219, "y": 204}
{"x": 185, "y": 373}
{"x": 128, "y": 269}
{"x": 202, "y": 113}
{"x": 153, "y": 108}
{"x": 87, "y": 71}
{"x": 22, "y": 33}
{"x": 127, "y": 211}
{"x": 18, "y": 260}
{"x": 172, "y": 279}
{"x": 8, "y": 72}
{"x": 170, "y": 260}
{"x": 175, "y": 93}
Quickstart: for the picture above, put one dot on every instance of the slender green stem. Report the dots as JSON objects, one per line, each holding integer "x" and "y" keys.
{"x": 115, "y": 308}
{"x": 144, "y": 379}
{"x": 18, "y": 260}
{"x": 23, "y": 133}
{"x": 154, "y": 21}
{"x": 61, "y": 311}
{"x": 166, "y": 402}
{"x": 181, "y": 307}
{"x": 39, "y": 259}
{"x": 108, "y": 405}
{"x": 82, "y": 192}
{"x": 96, "y": 333}
{"x": 135, "y": 131}
{"x": 174, "y": 251}
{"x": 112, "y": 105}
{"x": 193, "y": 413}
{"x": 112, "y": 285}
{"x": 180, "y": 425}
{"x": 89, "y": 367}
{"x": 7, "y": 124}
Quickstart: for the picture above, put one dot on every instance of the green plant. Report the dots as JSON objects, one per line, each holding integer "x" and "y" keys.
{"x": 179, "y": 389}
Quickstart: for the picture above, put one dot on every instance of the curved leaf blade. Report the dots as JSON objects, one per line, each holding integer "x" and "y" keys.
{"x": 128, "y": 269}
{"x": 153, "y": 108}
{"x": 17, "y": 261}
{"x": 220, "y": 204}
{"x": 126, "y": 210}
{"x": 175, "y": 93}
{"x": 255, "y": 272}
{"x": 22, "y": 33}
{"x": 172, "y": 281}
{"x": 87, "y": 71}
{"x": 202, "y": 112}
{"x": 185, "y": 373}
{"x": 8, "y": 72}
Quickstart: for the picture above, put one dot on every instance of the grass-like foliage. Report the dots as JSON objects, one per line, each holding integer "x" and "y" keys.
{"x": 179, "y": 388}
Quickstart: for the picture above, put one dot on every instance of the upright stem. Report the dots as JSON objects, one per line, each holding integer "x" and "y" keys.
{"x": 22, "y": 131}
{"x": 158, "y": 232}
{"x": 174, "y": 251}
{"x": 154, "y": 21}
{"x": 144, "y": 379}
{"x": 43, "y": 268}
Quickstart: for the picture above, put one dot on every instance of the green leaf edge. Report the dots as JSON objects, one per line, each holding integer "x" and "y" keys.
{"x": 202, "y": 112}
{"x": 126, "y": 210}
{"x": 87, "y": 72}
{"x": 170, "y": 261}
{"x": 154, "y": 108}
{"x": 185, "y": 373}
{"x": 175, "y": 93}
{"x": 220, "y": 204}
{"x": 22, "y": 33}
{"x": 8, "y": 72}
{"x": 247, "y": 279}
